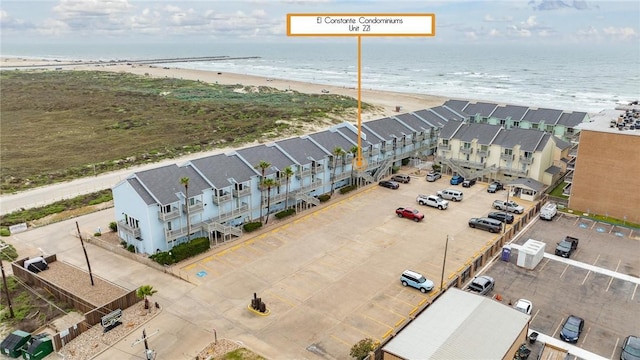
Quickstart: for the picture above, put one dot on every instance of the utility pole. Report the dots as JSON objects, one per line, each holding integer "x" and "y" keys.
{"x": 444, "y": 262}
{"x": 4, "y": 281}
{"x": 148, "y": 353}
{"x": 85, "y": 253}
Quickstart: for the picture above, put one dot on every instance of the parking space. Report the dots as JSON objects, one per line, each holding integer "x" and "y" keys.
{"x": 331, "y": 277}
{"x": 557, "y": 288}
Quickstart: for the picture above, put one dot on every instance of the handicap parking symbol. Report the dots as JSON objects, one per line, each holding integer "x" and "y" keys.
{"x": 618, "y": 233}
{"x": 201, "y": 273}
{"x": 600, "y": 230}
{"x": 583, "y": 225}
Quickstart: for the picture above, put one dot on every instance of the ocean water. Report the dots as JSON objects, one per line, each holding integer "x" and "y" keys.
{"x": 570, "y": 77}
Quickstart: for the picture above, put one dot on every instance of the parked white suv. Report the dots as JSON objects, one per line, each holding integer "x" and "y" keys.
{"x": 433, "y": 200}
{"x": 548, "y": 211}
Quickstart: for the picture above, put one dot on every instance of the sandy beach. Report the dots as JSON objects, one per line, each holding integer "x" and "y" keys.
{"x": 387, "y": 102}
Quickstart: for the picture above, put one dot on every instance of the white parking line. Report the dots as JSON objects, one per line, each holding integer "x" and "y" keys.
{"x": 555, "y": 332}
{"x": 534, "y": 316}
{"x": 634, "y": 292}
{"x": 585, "y": 278}
{"x": 565, "y": 269}
{"x": 610, "y": 281}
{"x": 597, "y": 258}
{"x": 615, "y": 348}
{"x": 584, "y": 338}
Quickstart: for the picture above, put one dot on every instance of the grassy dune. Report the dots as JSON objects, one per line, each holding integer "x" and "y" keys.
{"x": 60, "y": 125}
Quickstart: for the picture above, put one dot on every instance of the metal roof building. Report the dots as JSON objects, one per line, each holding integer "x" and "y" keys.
{"x": 461, "y": 325}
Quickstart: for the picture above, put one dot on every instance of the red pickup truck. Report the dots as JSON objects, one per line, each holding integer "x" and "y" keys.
{"x": 409, "y": 213}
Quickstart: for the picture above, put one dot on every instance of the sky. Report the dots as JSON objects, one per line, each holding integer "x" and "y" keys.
{"x": 457, "y": 21}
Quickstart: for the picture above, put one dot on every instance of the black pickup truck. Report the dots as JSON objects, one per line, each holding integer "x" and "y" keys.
{"x": 567, "y": 246}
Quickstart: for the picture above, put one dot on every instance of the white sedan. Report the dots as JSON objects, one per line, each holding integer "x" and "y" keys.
{"x": 523, "y": 305}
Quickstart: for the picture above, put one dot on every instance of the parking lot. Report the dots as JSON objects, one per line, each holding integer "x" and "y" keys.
{"x": 330, "y": 277}
{"x": 557, "y": 288}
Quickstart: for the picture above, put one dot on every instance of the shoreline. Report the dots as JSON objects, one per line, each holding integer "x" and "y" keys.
{"x": 389, "y": 103}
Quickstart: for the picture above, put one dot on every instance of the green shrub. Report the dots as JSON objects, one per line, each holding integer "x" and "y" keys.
{"x": 5, "y": 232}
{"x": 284, "y": 213}
{"x": 361, "y": 349}
{"x": 395, "y": 169}
{"x": 113, "y": 226}
{"x": 131, "y": 248}
{"x": 123, "y": 243}
{"x": 182, "y": 251}
{"x": 436, "y": 167}
{"x": 346, "y": 189}
{"x": 8, "y": 252}
{"x": 405, "y": 161}
{"x": 252, "y": 226}
{"x": 96, "y": 234}
{"x": 324, "y": 197}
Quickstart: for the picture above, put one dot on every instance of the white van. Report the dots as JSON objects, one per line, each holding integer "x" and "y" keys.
{"x": 548, "y": 211}
{"x": 450, "y": 194}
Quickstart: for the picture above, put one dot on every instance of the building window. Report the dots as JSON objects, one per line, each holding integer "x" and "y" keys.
{"x": 503, "y": 122}
{"x": 550, "y": 128}
{"x": 534, "y": 126}
{"x": 445, "y": 142}
{"x": 516, "y": 124}
{"x": 508, "y": 151}
{"x": 466, "y": 145}
{"x": 166, "y": 209}
{"x": 528, "y": 154}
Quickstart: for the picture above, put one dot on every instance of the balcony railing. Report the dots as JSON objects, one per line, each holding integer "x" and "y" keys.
{"x": 483, "y": 153}
{"x": 465, "y": 150}
{"x": 194, "y": 208}
{"x": 507, "y": 157}
{"x": 514, "y": 171}
{"x": 173, "y": 214}
{"x": 303, "y": 173}
{"x": 218, "y": 199}
{"x": 238, "y": 193}
{"x": 135, "y": 232}
{"x": 232, "y": 214}
{"x": 444, "y": 147}
{"x": 318, "y": 169}
{"x": 526, "y": 160}
{"x": 308, "y": 188}
{"x": 469, "y": 164}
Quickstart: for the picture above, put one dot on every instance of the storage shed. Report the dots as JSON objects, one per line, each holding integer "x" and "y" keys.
{"x": 461, "y": 325}
{"x": 530, "y": 254}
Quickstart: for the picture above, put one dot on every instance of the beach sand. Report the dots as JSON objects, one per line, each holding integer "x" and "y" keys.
{"x": 387, "y": 103}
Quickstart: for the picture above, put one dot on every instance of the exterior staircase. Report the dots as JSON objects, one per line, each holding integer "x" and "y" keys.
{"x": 455, "y": 168}
{"x": 308, "y": 199}
{"x": 383, "y": 169}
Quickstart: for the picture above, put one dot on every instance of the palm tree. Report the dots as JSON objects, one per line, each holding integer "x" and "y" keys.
{"x": 354, "y": 154}
{"x": 288, "y": 173}
{"x": 263, "y": 166}
{"x": 337, "y": 152}
{"x": 185, "y": 181}
{"x": 144, "y": 292}
{"x": 269, "y": 183}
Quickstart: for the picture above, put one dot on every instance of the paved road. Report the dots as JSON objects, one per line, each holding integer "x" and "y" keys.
{"x": 67, "y": 190}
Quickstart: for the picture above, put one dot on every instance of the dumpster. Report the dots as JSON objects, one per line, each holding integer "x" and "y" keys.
{"x": 38, "y": 347}
{"x": 506, "y": 253}
{"x": 533, "y": 337}
{"x": 12, "y": 344}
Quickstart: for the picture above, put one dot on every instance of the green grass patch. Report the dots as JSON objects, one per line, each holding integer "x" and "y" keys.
{"x": 240, "y": 354}
{"x": 26, "y": 215}
{"x": 603, "y": 218}
{"x": 557, "y": 191}
{"x": 62, "y": 125}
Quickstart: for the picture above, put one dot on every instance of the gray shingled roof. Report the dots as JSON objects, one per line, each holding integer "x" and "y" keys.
{"x": 549, "y": 116}
{"x": 482, "y": 109}
{"x": 448, "y": 114}
{"x": 561, "y": 144}
{"x": 430, "y": 117}
{"x": 510, "y": 111}
{"x": 164, "y": 182}
{"x": 456, "y": 104}
{"x": 528, "y": 139}
{"x": 553, "y": 170}
{"x": 572, "y": 120}
{"x": 351, "y": 133}
{"x": 329, "y": 140}
{"x": 271, "y": 154}
{"x": 529, "y": 183}
{"x": 414, "y": 122}
{"x": 450, "y": 129}
{"x": 144, "y": 194}
{"x": 388, "y": 128}
{"x": 219, "y": 169}
{"x": 302, "y": 150}
{"x": 484, "y": 133}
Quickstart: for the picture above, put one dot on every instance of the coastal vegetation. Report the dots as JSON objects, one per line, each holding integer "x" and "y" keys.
{"x": 62, "y": 125}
